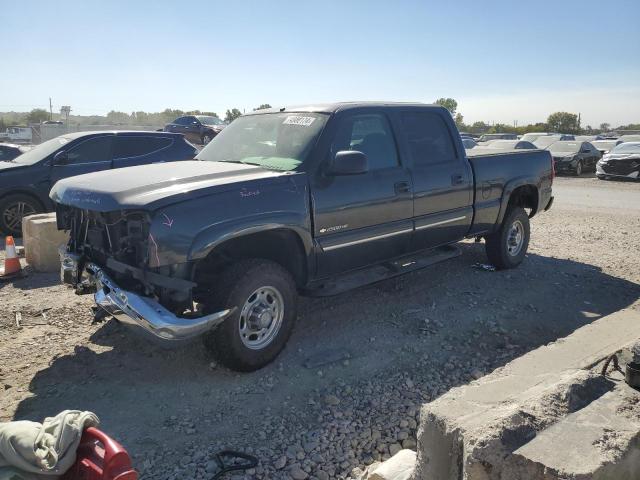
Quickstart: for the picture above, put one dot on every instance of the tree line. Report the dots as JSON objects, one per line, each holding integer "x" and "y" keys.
{"x": 564, "y": 122}
{"x": 114, "y": 117}
{"x": 561, "y": 122}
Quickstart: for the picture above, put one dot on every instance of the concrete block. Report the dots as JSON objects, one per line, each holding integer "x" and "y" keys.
{"x": 473, "y": 431}
{"x": 398, "y": 467}
{"x": 41, "y": 240}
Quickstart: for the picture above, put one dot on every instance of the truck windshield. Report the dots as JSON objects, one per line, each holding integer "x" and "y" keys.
{"x": 277, "y": 141}
{"x": 41, "y": 151}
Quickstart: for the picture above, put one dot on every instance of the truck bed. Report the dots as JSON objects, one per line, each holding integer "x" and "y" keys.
{"x": 496, "y": 172}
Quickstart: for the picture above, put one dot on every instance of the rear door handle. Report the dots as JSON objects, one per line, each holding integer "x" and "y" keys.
{"x": 457, "y": 179}
{"x": 401, "y": 187}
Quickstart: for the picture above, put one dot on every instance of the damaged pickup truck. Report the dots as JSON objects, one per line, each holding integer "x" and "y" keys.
{"x": 313, "y": 200}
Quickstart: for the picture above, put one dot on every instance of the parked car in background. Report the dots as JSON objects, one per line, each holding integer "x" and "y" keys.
{"x": 574, "y": 157}
{"x": 588, "y": 138}
{"x": 196, "y": 128}
{"x": 531, "y": 137}
{"x": 26, "y": 180}
{"x": 622, "y": 161}
{"x": 19, "y": 134}
{"x": 9, "y": 151}
{"x": 510, "y": 145}
{"x": 497, "y": 136}
{"x": 468, "y": 143}
{"x": 629, "y": 138}
{"x": 545, "y": 141}
{"x": 604, "y": 146}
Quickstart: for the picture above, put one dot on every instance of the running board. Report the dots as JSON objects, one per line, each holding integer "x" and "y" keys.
{"x": 383, "y": 271}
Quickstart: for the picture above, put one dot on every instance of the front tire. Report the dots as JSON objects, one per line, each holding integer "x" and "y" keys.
{"x": 579, "y": 168}
{"x": 507, "y": 247}
{"x": 12, "y": 210}
{"x": 265, "y": 300}
{"x": 206, "y": 138}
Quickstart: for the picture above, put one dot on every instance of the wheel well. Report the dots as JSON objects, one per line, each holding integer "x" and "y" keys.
{"x": 525, "y": 196}
{"x": 26, "y": 193}
{"x": 281, "y": 246}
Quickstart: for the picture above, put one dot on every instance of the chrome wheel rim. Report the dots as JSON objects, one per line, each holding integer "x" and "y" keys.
{"x": 515, "y": 239}
{"x": 14, "y": 213}
{"x": 261, "y": 318}
{"x": 206, "y": 139}
{"x": 579, "y": 168}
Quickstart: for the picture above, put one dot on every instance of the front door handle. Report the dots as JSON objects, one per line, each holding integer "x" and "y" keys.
{"x": 457, "y": 179}
{"x": 401, "y": 187}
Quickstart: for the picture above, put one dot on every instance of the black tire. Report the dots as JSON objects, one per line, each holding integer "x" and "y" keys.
{"x": 206, "y": 138}
{"x": 499, "y": 245}
{"x": 579, "y": 168}
{"x": 235, "y": 287}
{"x": 601, "y": 177}
{"x": 13, "y": 206}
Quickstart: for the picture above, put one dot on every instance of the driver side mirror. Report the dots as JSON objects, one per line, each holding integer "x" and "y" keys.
{"x": 61, "y": 158}
{"x": 348, "y": 162}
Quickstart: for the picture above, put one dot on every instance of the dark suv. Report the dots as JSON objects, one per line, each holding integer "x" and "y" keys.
{"x": 197, "y": 128}
{"x": 26, "y": 180}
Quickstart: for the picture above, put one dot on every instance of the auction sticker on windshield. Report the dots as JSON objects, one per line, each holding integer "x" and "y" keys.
{"x": 301, "y": 121}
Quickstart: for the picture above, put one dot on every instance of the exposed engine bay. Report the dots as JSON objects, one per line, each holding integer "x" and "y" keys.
{"x": 119, "y": 243}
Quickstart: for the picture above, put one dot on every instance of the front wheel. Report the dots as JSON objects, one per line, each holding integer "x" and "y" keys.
{"x": 507, "y": 246}
{"x": 579, "y": 168}
{"x": 13, "y": 208}
{"x": 206, "y": 138}
{"x": 265, "y": 299}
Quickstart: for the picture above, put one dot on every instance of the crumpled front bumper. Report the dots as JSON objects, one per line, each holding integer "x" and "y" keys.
{"x": 143, "y": 313}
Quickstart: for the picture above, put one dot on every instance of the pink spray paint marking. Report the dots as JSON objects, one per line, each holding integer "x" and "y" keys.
{"x": 169, "y": 221}
{"x": 156, "y": 245}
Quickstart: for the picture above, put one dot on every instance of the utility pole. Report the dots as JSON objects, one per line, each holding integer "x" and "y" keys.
{"x": 50, "y": 110}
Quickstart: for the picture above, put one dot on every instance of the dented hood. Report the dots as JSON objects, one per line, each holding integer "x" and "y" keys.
{"x": 149, "y": 187}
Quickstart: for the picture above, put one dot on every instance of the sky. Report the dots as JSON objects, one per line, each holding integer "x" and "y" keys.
{"x": 503, "y": 61}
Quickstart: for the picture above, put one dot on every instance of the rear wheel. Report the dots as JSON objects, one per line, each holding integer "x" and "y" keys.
{"x": 265, "y": 299}
{"x": 13, "y": 208}
{"x": 507, "y": 247}
{"x": 579, "y": 168}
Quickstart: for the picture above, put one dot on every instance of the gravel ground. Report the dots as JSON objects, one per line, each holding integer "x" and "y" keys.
{"x": 347, "y": 389}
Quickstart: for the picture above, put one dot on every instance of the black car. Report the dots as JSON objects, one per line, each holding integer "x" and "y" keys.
{"x": 26, "y": 180}
{"x": 622, "y": 161}
{"x": 9, "y": 151}
{"x": 197, "y": 128}
{"x": 574, "y": 157}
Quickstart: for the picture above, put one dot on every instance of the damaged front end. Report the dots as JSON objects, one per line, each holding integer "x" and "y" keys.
{"x": 108, "y": 253}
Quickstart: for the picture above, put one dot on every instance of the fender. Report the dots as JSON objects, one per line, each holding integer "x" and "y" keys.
{"x": 214, "y": 235}
{"x": 509, "y": 189}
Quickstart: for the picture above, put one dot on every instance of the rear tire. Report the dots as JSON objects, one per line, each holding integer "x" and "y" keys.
{"x": 579, "y": 168}
{"x": 507, "y": 247}
{"x": 265, "y": 299}
{"x": 13, "y": 208}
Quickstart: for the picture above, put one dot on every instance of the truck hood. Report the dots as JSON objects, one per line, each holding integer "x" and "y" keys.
{"x": 148, "y": 187}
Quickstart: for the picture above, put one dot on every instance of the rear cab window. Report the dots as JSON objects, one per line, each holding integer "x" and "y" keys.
{"x": 428, "y": 137}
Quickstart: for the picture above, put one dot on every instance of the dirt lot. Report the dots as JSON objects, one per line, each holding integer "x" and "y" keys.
{"x": 347, "y": 389}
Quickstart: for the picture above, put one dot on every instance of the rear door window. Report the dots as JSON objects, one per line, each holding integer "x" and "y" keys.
{"x": 429, "y": 138}
{"x": 96, "y": 149}
{"x": 136, "y": 146}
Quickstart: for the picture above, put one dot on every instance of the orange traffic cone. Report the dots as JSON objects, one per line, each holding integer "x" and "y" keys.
{"x": 12, "y": 267}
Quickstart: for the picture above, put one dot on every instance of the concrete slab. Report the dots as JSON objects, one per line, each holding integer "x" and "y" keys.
{"x": 601, "y": 440}
{"x": 41, "y": 239}
{"x": 470, "y": 431}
